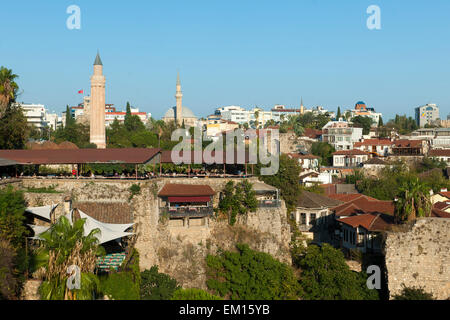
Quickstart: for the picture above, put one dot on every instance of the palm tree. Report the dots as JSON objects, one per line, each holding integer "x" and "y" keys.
{"x": 414, "y": 201}
{"x": 64, "y": 245}
{"x": 8, "y": 88}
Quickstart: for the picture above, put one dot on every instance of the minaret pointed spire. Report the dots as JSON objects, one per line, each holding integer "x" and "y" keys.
{"x": 98, "y": 61}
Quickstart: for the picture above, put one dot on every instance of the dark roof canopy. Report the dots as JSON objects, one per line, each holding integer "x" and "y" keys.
{"x": 75, "y": 156}
{"x": 313, "y": 200}
{"x": 185, "y": 190}
{"x": 166, "y": 157}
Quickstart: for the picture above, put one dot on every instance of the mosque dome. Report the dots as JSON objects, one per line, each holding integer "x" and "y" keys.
{"x": 185, "y": 113}
{"x": 360, "y": 105}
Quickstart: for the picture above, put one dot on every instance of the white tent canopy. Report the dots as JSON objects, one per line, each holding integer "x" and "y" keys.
{"x": 38, "y": 230}
{"x": 108, "y": 231}
{"x": 43, "y": 212}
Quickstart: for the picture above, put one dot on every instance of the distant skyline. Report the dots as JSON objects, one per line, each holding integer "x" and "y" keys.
{"x": 247, "y": 53}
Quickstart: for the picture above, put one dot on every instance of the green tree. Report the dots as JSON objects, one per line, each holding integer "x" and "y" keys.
{"x": 380, "y": 122}
{"x": 325, "y": 151}
{"x": 338, "y": 114}
{"x": 286, "y": 180}
{"x": 326, "y": 276}
{"x": 14, "y": 128}
{"x": 414, "y": 200}
{"x": 238, "y": 199}
{"x": 156, "y": 285}
{"x": 413, "y": 294}
{"x": 250, "y": 275}
{"x": 193, "y": 294}
{"x": 12, "y": 210}
{"x": 8, "y": 279}
{"x": 8, "y": 88}
{"x": 363, "y": 122}
{"x": 63, "y": 245}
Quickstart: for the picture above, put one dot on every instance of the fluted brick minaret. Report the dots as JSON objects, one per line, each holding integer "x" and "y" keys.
{"x": 178, "y": 109}
{"x": 97, "y": 105}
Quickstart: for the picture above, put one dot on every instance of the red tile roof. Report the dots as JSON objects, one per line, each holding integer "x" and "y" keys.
{"x": 350, "y": 153}
{"x": 442, "y": 205}
{"x": 185, "y": 190}
{"x": 435, "y": 212}
{"x": 373, "y": 142}
{"x": 312, "y": 133}
{"x": 302, "y": 156}
{"x": 349, "y": 197}
{"x": 404, "y": 143}
{"x": 364, "y": 204}
{"x": 370, "y": 221}
{"x": 445, "y": 194}
{"x": 439, "y": 153}
{"x": 74, "y": 156}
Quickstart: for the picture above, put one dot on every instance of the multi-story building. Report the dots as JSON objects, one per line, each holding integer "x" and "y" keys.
{"x": 110, "y": 116}
{"x": 349, "y": 158}
{"x": 81, "y": 113}
{"x": 362, "y": 110}
{"x": 34, "y": 113}
{"x": 427, "y": 114}
{"x": 341, "y": 134}
{"x": 379, "y": 147}
{"x": 439, "y": 138}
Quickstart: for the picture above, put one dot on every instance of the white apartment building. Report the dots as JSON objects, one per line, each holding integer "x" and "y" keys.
{"x": 120, "y": 116}
{"x": 341, "y": 134}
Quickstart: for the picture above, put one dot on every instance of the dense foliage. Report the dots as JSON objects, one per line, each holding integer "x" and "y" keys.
{"x": 363, "y": 122}
{"x": 12, "y": 210}
{"x": 8, "y": 279}
{"x": 156, "y": 285}
{"x": 193, "y": 294}
{"x": 325, "y": 151}
{"x": 13, "y": 129}
{"x": 120, "y": 286}
{"x": 286, "y": 180}
{"x": 402, "y": 124}
{"x": 63, "y": 245}
{"x": 326, "y": 276}
{"x": 237, "y": 199}
{"x": 250, "y": 275}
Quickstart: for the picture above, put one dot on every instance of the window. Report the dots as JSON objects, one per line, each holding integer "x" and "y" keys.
{"x": 303, "y": 218}
{"x": 312, "y": 219}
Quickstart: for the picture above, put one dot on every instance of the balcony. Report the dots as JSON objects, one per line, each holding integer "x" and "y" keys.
{"x": 275, "y": 203}
{"x": 181, "y": 212}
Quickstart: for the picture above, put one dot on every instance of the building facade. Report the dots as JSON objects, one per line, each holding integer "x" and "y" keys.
{"x": 341, "y": 134}
{"x": 427, "y": 114}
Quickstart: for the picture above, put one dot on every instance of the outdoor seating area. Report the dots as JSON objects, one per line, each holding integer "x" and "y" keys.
{"x": 182, "y": 200}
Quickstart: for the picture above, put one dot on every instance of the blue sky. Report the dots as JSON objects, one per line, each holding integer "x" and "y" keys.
{"x": 233, "y": 53}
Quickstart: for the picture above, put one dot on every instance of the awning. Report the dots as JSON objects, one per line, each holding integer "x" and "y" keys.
{"x": 106, "y": 233}
{"x": 189, "y": 199}
{"x": 43, "y": 212}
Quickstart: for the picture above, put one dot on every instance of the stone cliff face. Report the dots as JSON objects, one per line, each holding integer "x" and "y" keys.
{"x": 178, "y": 251}
{"x": 420, "y": 257}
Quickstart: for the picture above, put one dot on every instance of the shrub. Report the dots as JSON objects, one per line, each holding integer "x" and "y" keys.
{"x": 413, "y": 294}
{"x": 12, "y": 209}
{"x": 135, "y": 189}
{"x": 326, "y": 276}
{"x": 156, "y": 285}
{"x": 120, "y": 286}
{"x": 8, "y": 282}
{"x": 193, "y": 294}
{"x": 250, "y": 275}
